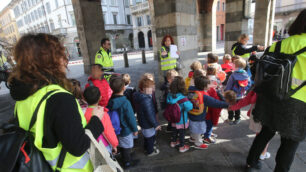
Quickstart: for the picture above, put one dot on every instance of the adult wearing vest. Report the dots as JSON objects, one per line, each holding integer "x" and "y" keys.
{"x": 239, "y": 48}
{"x": 166, "y": 61}
{"x": 104, "y": 58}
{"x": 287, "y": 117}
{"x": 41, "y": 67}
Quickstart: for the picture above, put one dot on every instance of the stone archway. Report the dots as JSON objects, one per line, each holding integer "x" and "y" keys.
{"x": 141, "y": 40}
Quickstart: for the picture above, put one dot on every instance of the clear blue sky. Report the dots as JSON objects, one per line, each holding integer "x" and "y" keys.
{"x": 4, "y": 3}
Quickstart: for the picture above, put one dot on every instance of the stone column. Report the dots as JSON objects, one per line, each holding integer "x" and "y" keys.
{"x": 178, "y": 19}
{"x": 145, "y": 33}
{"x": 235, "y": 23}
{"x": 90, "y": 26}
{"x": 206, "y": 17}
{"x": 263, "y": 22}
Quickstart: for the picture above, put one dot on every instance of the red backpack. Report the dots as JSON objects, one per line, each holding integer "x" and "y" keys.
{"x": 172, "y": 112}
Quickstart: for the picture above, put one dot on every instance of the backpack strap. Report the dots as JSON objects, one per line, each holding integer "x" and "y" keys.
{"x": 278, "y": 47}
{"x": 300, "y": 51}
{"x": 182, "y": 100}
{"x": 34, "y": 116}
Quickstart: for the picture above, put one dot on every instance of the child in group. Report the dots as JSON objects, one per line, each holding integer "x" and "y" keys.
{"x": 77, "y": 92}
{"x": 146, "y": 115}
{"x": 201, "y": 101}
{"x": 177, "y": 93}
{"x": 212, "y": 61}
{"x": 227, "y": 67}
{"x": 170, "y": 75}
{"x": 239, "y": 82}
{"x": 215, "y": 82}
{"x": 96, "y": 79}
{"x": 123, "y": 107}
{"x": 109, "y": 139}
{"x": 199, "y": 72}
{"x": 129, "y": 91}
{"x": 194, "y": 66}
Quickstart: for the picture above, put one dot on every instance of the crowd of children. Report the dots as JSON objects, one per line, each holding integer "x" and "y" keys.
{"x": 196, "y": 101}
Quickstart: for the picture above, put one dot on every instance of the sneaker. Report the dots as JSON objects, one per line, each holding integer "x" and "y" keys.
{"x": 267, "y": 155}
{"x": 214, "y": 135}
{"x": 229, "y": 121}
{"x": 131, "y": 164}
{"x": 155, "y": 152}
{"x": 184, "y": 148}
{"x": 202, "y": 146}
{"x": 173, "y": 144}
{"x": 191, "y": 140}
{"x": 209, "y": 141}
{"x": 237, "y": 121}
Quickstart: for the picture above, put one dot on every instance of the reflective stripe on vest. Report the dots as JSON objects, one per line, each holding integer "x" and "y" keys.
{"x": 246, "y": 55}
{"x": 25, "y": 109}
{"x": 167, "y": 63}
{"x": 296, "y": 82}
{"x": 103, "y": 58}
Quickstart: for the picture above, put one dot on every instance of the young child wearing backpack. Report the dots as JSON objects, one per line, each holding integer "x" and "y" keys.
{"x": 197, "y": 116}
{"x": 166, "y": 89}
{"x": 239, "y": 82}
{"x": 123, "y": 107}
{"x": 146, "y": 115}
{"x": 177, "y": 97}
{"x": 227, "y": 67}
{"x": 194, "y": 66}
{"x": 109, "y": 139}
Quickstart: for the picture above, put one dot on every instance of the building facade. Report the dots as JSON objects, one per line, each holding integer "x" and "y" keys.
{"x": 220, "y": 20}
{"x": 8, "y": 27}
{"x": 57, "y": 17}
{"x": 285, "y": 13}
{"x": 142, "y": 26}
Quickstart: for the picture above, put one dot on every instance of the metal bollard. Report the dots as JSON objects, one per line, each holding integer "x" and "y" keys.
{"x": 126, "y": 61}
{"x": 144, "y": 61}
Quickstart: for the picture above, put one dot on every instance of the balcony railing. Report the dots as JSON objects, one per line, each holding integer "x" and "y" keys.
{"x": 290, "y": 8}
{"x": 140, "y": 7}
{"x": 60, "y": 31}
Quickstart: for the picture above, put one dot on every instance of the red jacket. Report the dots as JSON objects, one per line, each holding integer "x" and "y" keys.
{"x": 105, "y": 90}
{"x": 227, "y": 67}
{"x": 249, "y": 99}
{"x": 213, "y": 114}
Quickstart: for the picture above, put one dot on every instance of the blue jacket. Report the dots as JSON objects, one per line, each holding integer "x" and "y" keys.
{"x": 232, "y": 83}
{"x": 145, "y": 109}
{"x": 185, "y": 107}
{"x": 126, "y": 114}
{"x": 208, "y": 102}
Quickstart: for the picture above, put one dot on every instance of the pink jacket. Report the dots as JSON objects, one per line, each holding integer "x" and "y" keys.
{"x": 249, "y": 99}
{"x": 108, "y": 136}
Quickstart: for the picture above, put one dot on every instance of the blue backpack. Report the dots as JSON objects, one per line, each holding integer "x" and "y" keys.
{"x": 115, "y": 119}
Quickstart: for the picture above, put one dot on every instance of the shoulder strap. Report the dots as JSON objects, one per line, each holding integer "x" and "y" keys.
{"x": 300, "y": 51}
{"x": 278, "y": 47}
{"x": 61, "y": 159}
{"x": 182, "y": 100}
{"x": 34, "y": 117}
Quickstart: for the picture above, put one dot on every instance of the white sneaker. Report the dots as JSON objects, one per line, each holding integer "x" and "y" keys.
{"x": 155, "y": 152}
{"x": 267, "y": 155}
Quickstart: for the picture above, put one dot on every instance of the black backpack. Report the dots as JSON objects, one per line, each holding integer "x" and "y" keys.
{"x": 274, "y": 74}
{"x": 18, "y": 152}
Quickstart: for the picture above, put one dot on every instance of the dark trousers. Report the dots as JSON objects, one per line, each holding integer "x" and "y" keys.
{"x": 169, "y": 127}
{"x": 149, "y": 144}
{"x": 285, "y": 153}
{"x": 179, "y": 133}
{"x": 126, "y": 155}
{"x": 209, "y": 128}
{"x": 231, "y": 114}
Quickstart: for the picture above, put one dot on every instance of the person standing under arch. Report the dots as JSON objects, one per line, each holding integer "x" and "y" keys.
{"x": 239, "y": 48}
{"x": 166, "y": 61}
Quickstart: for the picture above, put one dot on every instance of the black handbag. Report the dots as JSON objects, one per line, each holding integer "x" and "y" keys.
{"x": 18, "y": 152}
